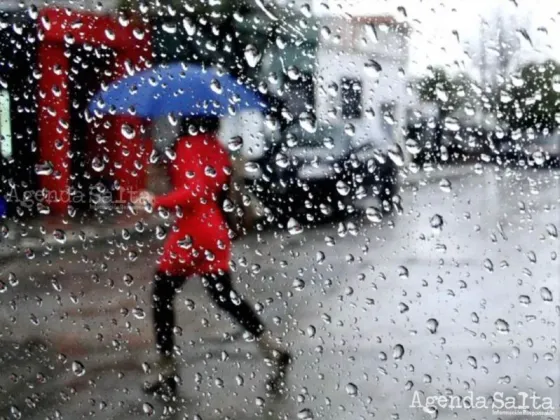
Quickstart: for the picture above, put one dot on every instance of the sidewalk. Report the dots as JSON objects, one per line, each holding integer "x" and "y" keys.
{"x": 45, "y": 236}
{"x": 437, "y": 172}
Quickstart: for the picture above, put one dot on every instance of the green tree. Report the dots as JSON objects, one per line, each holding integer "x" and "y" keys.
{"x": 448, "y": 94}
{"x": 530, "y": 98}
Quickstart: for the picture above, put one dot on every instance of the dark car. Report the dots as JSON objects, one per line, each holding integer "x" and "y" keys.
{"x": 320, "y": 172}
{"x": 540, "y": 149}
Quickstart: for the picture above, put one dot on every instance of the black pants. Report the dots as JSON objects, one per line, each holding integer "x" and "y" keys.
{"x": 221, "y": 291}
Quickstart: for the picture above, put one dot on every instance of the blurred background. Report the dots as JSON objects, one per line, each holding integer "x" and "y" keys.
{"x": 400, "y": 204}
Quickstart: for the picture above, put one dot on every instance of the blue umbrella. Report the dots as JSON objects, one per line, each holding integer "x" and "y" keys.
{"x": 185, "y": 89}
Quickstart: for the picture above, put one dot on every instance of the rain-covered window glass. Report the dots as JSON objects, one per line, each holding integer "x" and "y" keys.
{"x": 351, "y": 98}
{"x": 279, "y": 209}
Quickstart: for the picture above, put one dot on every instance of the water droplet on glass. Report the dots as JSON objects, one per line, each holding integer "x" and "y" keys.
{"x": 189, "y": 26}
{"x": 252, "y": 167}
{"x": 374, "y": 215}
{"x": 298, "y": 284}
{"x": 436, "y": 222}
{"x": 293, "y": 73}
{"x": 396, "y": 154}
{"x": 351, "y": 389}
{"x": 44, "y": 169}
{"x": 445, "y": 185}
{"x": 148, "y": 409}
{"x": 546, "y": 294}
{"x": 305, "y": 414}
{"x": 552, "y": 230}
{"x": 432, "y": 325}
{"x": 342, "y": 188}
{"x": 372, "y": 68}
{"x": 235, "y": 143}
{"x": 472, "y": 361}
{"x": 78, "y": 368}
{"x": 210, "y": 171}
{"x": 128, "y": 131}
{"x": 59, "y": 235}
{"x": 452, "y": 124}
{"x": 556, "y": 83}
{"x": 139, "y": 313}
{"x": 282, "y": 160}
{"x": 252, "y": 55}
{"x": 413, "y": 146}
{"x": 294, "y": 227}
{"x": 398, "y": 352}
{"x": 308, "y": 122}
{"x": 502, "y": 326}
{"x": 97, "y": 164}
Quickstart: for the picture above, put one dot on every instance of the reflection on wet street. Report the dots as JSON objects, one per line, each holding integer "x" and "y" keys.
{"x": 458, "y": 295}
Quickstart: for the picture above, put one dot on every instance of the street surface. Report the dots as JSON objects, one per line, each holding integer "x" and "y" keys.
{"x": 458, "y": 294}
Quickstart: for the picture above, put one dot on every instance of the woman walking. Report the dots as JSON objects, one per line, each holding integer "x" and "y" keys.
{"x": 200, "y": 245}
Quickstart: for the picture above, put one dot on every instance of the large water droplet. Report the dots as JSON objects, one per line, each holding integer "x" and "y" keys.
{"x": 432, "y": 325}
{"x": 351, "y": 389}
{"x": 308, "y": 122}
{"x": 216, "y": 86}
{"x": 556, "y": 83}
{"x": 398, "y": 352}
{"x": 343, "y": 188}
{"x": 235, "y": 143}
{"x": 189, "y": 26}
{"x": 97, "y": 164}
{"x": 78, "y": 368}
{"x": 372, "y": 68}
{"x": 436, "y": 222}
{"x": 546, "y": 294}
{"x": 294, "y": 227}
{"x": 502, "y": 326}
{"x": 374, "y": 215}
{"x": 59, "y": 235}
{"x": 252, "y": 55}
{"x": 148, "y": 409}
{"x": 305, "y": 414}
{"x": 139, "y": 313}
{"x": 452, "y": 124}
{"x": 128, "y": 131}
{"x": 44, "y": 169}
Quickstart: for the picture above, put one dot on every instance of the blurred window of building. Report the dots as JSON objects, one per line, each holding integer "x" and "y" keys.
{"x": 351, "y": 98}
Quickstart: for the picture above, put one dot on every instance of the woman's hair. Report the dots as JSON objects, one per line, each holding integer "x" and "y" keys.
{"x": 194, "y": 125}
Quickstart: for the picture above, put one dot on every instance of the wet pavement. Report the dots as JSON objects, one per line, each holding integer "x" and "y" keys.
{"x": 457, "y": 295}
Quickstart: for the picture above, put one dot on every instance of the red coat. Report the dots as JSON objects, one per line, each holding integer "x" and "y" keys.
{"x": 199, "y": 242}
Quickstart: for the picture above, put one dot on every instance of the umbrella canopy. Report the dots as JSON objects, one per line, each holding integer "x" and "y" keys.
{"x": 185, "y": 89}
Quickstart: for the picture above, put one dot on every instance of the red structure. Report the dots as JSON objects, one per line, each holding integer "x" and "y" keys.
{"x": 60, "y": 29}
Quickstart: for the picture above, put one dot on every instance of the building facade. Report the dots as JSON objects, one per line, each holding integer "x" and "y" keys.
{"x": 361, "y": 70}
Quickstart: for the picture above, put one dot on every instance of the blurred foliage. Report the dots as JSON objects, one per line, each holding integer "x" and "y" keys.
{"x": 449, "y": 94}
{"x": 530, "y": 98}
